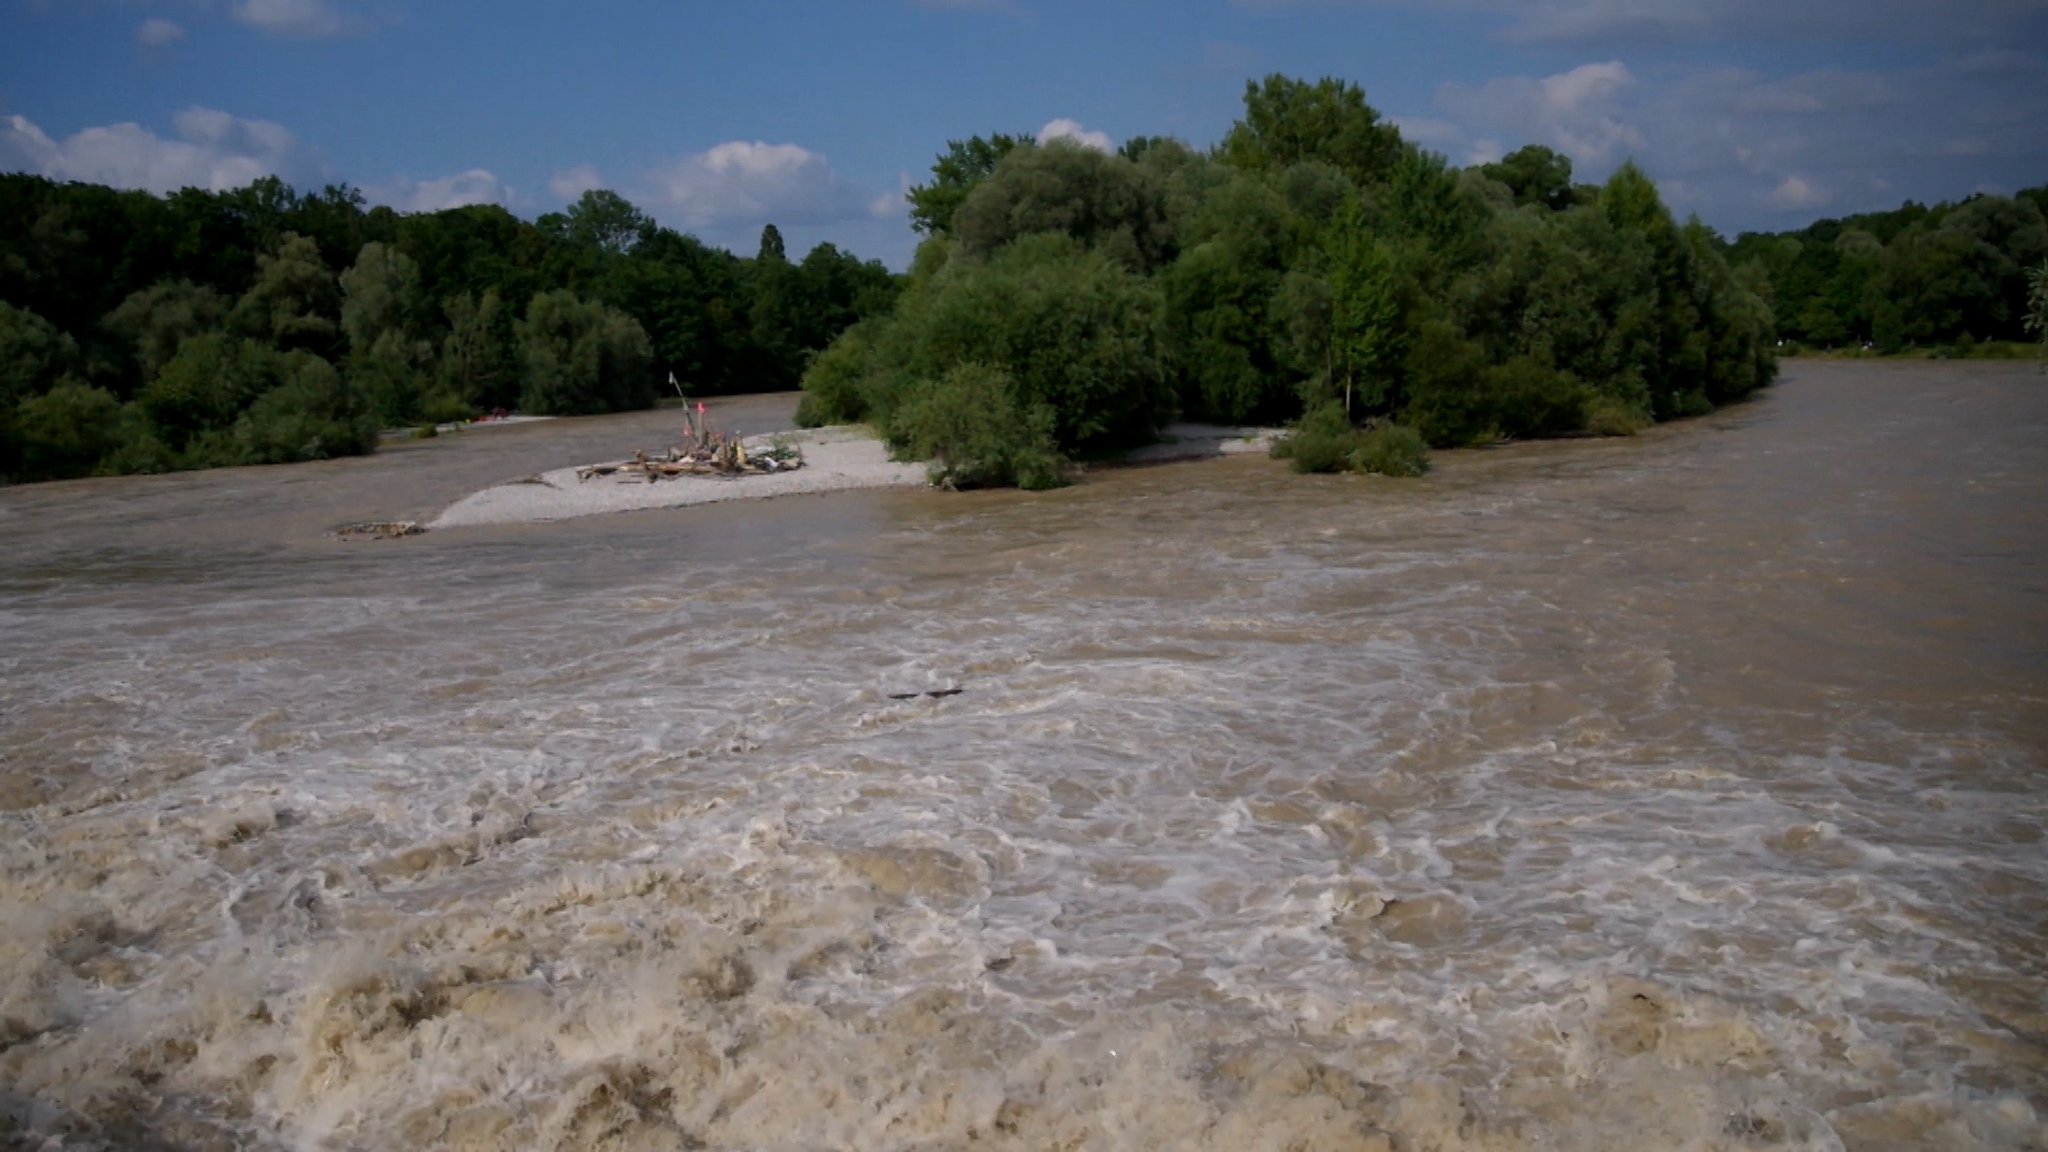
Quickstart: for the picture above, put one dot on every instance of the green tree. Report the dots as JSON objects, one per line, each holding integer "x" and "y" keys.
{"x": 34, "y": 356}
{"x": 67, "y": 430}
{"x": 1105, "y": 202}
{"x": 2037, "y": 305}
{"x": 1288, "y": 121}
{"x": 294, "y": 301}
{"x": 479, "y": 361}
{"x": 606, "y": 222}
{"x": 1535, "y": 175}
{"x": 388, "y": 357}
{"x": 964, "y": 164}
{"x": 578, "y": 357}
{"x": 1364, "y": 313}
{"x": 159, "y": 318}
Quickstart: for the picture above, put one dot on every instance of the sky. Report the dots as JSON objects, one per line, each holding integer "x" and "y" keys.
{"x": 815, "y": 115}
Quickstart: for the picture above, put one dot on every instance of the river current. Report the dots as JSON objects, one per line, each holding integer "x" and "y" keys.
{"x": 1680, "y": 792}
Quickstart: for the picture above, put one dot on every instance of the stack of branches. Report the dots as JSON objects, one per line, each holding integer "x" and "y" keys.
{"x": 705, "y": 451}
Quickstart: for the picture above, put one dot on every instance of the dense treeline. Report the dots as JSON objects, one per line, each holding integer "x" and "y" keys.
{"x": 1948, "y": 276}
{"x": 147, "y": 333}
{"x": 1068, "y": 302}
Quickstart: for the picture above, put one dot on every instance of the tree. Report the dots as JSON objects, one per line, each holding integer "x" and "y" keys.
{"x": 1364, "y": 314}
{"x": 964, "y": 164}
{"x": 605, "y": 221}
{"x": 67, "y": 430}
{"x": 388, "y": 358}
{"x": 294, "y": 300}
{"x": 1535, "y": 175}
{"x": 578, "y": 357}
{"x": 479, "y": 361}
{"x": 1105, "y": 202}
{"x": 1288, "y": 121}
{"x": 158, "y": 319}
{"x": 2037, "y": 306}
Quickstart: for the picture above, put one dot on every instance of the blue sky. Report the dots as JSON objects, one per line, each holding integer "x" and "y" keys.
{"x": 813, "y": 114}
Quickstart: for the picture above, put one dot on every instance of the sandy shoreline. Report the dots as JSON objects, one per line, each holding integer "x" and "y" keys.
{"x": 839, "y": 459}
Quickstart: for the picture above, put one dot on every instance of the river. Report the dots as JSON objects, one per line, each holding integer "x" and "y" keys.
{"x": 1678, "y": 792}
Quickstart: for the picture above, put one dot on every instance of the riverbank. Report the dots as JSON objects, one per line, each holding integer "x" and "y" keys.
{"x": 839, "y": 459}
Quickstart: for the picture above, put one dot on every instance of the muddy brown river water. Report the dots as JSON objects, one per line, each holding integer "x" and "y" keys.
{"x": 1683, "y": 792}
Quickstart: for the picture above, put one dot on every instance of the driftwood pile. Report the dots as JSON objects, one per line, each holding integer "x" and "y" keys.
{"x": 704, "y": 452}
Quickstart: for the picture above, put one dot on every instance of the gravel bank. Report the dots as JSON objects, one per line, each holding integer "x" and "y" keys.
{"x": 835, "y": 460}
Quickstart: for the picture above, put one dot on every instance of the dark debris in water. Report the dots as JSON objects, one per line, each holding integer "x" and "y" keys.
{"x": 936, "y": 694}
{"x": 378, "y": 530}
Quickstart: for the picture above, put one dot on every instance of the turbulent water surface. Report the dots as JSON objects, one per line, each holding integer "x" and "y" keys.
{"x": 1680, "y": 792}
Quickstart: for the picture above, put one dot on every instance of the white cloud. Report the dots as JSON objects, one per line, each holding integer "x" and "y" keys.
{"x": 212, "y": 150}
{"x": 1733, "y": 21}
{"x": 1065, "y": 129}
{"x": 1797, "y": 192}
{"x": 476, "y": 186}
{"x": 156, "y": 32}
{"x": 570, "y": 184}
{"x": 743, "y": 183}
{"x": 1755, "y": 150}
{"x": 1578, "y": 112}
{"x": 299, "y": 19}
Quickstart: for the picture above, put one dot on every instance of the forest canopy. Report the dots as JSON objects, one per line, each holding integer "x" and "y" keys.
{"x": 143, "y": 333}
{"x": 1313, "y": 263}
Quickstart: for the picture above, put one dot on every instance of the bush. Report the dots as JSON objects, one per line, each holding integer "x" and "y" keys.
{"x": 1322, "y": 442}
{"x": 1077, "y": 333}
{"x": 67, "y": 430}
{"x": 971, "y": 426}
{"x": 1325, "y": 441}
{"x": 836, "y": 386}
{"x": 1610, "y": 416}
{"x": 312, "y": 414}
{"x": 1390, "y": 450}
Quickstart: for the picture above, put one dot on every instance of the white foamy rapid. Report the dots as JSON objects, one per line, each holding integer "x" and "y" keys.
{"x": 1584, "y": 796}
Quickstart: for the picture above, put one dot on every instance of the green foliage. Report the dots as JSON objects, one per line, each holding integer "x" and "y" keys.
{"x": 159, "y": 318}
{"x": 1608, "y": 416}
{"x": 479, "y": 361}
{"x": 311, "y": 413}
{"x": 67, "y": 430}
{"x": 381, "y": 312}
{"x": 2037, "y": 304}
{"x": 1289, "y": 121}
{"x": 964, "y": 164}
{"x": 579, "y": 357}
{"x": 1535, "y": 175}
{"x": 970, "y": 424}
{"x": 423, "y": 320}
{"x": 1391, "y": 450}
{"x": 1106, "y": 202}
{"x": 211, "y": 380}
{"x": 294, "y": 302}
{"x": 1326, "y": 441}
{"x": 1322, "y": 441}
{"x": 604, "y": 221}
{"x": 1077, "y": 332}
{"x": 838, "y": 386}
{"x": 1365, "y": 314}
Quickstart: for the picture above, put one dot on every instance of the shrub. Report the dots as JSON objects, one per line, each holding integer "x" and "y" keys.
{"x": 836, "y": 385}
{"x": 1077, "y": 333}
{"x": 312, "y": 414}
{"x": 1611, "y": 416}
{"x": 1325, "y": 441}
{"x": 67, "y": 430}
{"x": 970, "y": 424}
{"x": 1322, "y": 441}
{"x": 1390, "y": 450}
